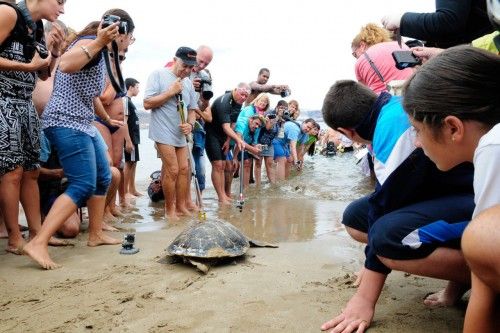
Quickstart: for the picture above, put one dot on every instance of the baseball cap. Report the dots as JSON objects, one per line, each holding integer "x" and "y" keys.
{"x": 187, "y": 55}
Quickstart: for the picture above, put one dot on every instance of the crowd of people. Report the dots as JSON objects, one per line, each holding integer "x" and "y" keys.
{"x": 67, "y": 111}
{"x": 238, "y": 129}
{"x": 69, "y": 137}
{"x": 81, "y": 134}
{"x": 434, "y": 151}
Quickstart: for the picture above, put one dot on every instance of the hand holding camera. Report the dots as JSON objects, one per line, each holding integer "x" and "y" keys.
{"x": 106, "y": 35}
{"x": 108, "y": 20}
{"x": 285, "y": 91}
{"x": 298, "y": 165}
{"x": 203, "y": 84}
{"x": 405, "y": 59}
{"x": 197, "y": 84}
{"x": 426, "y": 53}
{"x": 38, "y": 63}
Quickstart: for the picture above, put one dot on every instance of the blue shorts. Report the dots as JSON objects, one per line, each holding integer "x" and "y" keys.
{"x": 280, "y": 150}
{"x": 414, "y": 231}
{"x": 84, "y": 161}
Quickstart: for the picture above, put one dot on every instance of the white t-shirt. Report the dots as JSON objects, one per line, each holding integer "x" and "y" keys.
{"x": 165, "y": 120}
{"x": 487, "y": 171}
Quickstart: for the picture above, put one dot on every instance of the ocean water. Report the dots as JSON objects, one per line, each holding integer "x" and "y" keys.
{"x": 302, "y": 208}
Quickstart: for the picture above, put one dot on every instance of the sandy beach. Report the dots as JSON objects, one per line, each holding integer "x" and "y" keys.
{"x": 293, "y": 288}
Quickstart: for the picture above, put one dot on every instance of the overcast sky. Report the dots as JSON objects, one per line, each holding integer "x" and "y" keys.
{"x": 305, "y": 44}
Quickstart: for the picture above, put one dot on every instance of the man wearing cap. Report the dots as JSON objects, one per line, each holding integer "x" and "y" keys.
{"x": 164, "y": 88}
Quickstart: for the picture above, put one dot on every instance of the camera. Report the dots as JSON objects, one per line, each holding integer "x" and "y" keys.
{"x": 405, "y": 59}
{"x": 285, "y": 93}
{"x": 205, "y": 84}
{"x": 108, "y": 20}
{"x": 287, "y": 115}
{"x": 128, "y": 245}
{"x": 271, "y": 116}
{"x": 41, "y": 49}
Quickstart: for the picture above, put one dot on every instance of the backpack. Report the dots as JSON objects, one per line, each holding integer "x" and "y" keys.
{"x": 21, "y": 33}
{"x": 155, "y": 191}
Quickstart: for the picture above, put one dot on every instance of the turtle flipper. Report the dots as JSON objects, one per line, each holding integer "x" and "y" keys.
{"x": 257, "y": 243}
{"x": 202, "y": 267}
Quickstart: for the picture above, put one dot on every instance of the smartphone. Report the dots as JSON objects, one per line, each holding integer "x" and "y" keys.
{"x": 405, "y": 59}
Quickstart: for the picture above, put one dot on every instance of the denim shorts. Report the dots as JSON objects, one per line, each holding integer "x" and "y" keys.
{"x": 84, "y": 161}
{"x": 268, "y": 152}
{"x": 280, "y": 150}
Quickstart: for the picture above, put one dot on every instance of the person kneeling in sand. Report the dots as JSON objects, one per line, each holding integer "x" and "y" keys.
{"x": 408, "y": 201}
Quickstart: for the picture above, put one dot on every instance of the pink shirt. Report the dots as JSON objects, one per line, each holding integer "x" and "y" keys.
{"x": 381, "y": 55}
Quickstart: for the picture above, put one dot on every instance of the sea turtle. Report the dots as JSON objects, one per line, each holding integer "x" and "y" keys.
{"x": 209, "y": 241}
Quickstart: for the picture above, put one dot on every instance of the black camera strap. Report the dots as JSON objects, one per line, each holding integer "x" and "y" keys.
{"x": 27, "y": 18}
{"x": 372, "y": 64}
{"x": 119, "y": 86}
{"x": 27, "y": 32}
{"x": 37, "y": 31}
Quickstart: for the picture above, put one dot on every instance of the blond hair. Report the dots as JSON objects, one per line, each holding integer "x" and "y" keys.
{"x": 260, "y": 96}
{"x": 296, "y": 114}
{"x": 371, "y": 34}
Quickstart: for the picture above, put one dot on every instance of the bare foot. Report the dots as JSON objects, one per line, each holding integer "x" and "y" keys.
{"x": 447, "y": 297}
{"x": 107, "y": 227}
{"x": 172, "y": 216}
{"x": 59, "y": 242}
{"x": 125, "y": 204}
{"x": 40, "y": 254}
{"x": 193, "y": 207}
{"x": 14, "y": 250}
{"x": 109, "y": 218}
{"x": 16, "y": 247}
{"x": 102, "y": 239}
{"x": 129, "y": 196}
{"x": 183, "y": 211}
{"x": 116, "y": 212}
{"x": 225, "y": 202}
{"x": 137, "y": 193}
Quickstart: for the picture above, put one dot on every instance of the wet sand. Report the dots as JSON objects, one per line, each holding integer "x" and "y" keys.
{"x": 293, "y": 288}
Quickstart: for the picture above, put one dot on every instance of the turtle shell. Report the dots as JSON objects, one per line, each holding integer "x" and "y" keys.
{"x": 209, "y": 239}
